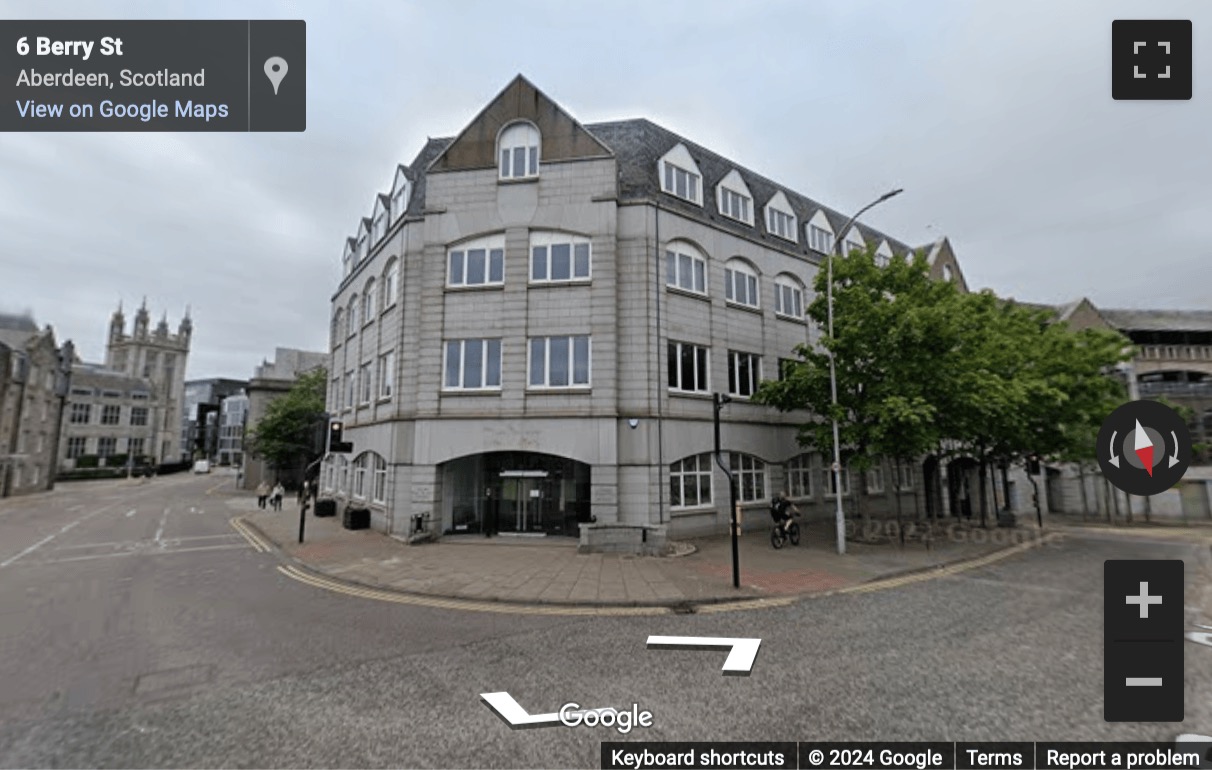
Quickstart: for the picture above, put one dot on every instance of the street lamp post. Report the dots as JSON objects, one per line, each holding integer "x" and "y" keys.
{"x": 720, "y": 400}
{"x": 837, "y": 447}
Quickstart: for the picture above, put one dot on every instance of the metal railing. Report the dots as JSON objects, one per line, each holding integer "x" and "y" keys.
{"x": 1176, "y": 388}
{"x": 1176, "y": 352}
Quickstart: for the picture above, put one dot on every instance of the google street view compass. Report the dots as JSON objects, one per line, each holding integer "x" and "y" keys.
{"x": 1144, "y": 448}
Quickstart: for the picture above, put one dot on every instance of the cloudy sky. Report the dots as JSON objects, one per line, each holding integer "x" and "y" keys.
{"x": 996, "y": 117}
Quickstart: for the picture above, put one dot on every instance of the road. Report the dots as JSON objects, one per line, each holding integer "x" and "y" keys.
{"x": 138, "y": 629}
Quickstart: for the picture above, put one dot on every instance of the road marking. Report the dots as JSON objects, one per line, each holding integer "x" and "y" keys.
{"x": 140, "y": 552}
{"x": 252, "y": 537}
{"x": 48, "y": 538}
{"x": 160, "y": 529}
{"x": 130, "y": 513}
{"x": 741, "y": 655}
{"x": 220, "y": 485}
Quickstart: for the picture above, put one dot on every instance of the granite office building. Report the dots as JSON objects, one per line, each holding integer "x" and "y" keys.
{"x": 533, "y": 321}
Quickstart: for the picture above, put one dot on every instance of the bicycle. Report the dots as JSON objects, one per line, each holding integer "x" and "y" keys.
{"x": 778, "y": 537}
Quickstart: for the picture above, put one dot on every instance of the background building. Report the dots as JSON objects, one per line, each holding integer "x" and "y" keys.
{"x": 270, "y": 380}
{"x": 130, "y": 405}
{"x": 200, "y": 416}
{"x": 233, "y": 414}
{"x": 532, "y": 322}
{"x": 34, "y": 378}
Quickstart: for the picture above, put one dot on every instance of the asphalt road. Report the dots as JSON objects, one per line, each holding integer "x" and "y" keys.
{"x": 138, "y": 629}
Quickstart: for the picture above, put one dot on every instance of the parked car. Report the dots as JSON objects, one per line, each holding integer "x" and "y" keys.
{"x": 202, "y": 466}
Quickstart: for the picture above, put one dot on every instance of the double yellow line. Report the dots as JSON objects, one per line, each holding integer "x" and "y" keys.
{"x": 254, "y": 538}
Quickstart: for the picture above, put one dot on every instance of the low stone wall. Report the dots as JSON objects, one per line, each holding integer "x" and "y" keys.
{"x": 642, "y": 539}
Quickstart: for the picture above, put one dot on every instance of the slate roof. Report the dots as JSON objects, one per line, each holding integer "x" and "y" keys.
{"x": 17, "y": 330}
{"x": 98, "y": 375}
{"x": 639, "y": 144}
{"x": 1159, "y": 320}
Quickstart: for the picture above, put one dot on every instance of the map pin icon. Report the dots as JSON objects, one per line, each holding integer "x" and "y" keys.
{"x": 275, "y": 70}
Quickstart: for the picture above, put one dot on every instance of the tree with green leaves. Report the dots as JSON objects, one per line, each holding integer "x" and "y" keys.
{"x": 286, "y": 436}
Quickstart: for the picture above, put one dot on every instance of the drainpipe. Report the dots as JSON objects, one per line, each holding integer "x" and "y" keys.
{"x": 657, "y": 377}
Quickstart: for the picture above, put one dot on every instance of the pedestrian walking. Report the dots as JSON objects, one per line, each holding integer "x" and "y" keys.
{"x": 276, "y": 496}
{"x": 262, "y": 494}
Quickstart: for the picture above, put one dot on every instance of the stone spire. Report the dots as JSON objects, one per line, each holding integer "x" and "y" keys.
{"x": 141, "y": 320}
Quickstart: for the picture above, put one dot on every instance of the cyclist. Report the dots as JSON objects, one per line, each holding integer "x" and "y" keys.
{"x": 779, "y": 511}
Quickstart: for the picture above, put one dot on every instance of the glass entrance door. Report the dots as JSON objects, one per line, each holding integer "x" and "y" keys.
{"x": 523, "y": 501}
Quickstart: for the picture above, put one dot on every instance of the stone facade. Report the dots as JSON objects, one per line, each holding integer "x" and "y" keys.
{"x": 34, "y": 378}
{"x": 423, "y": 312}
{"x": 269, "y": 381}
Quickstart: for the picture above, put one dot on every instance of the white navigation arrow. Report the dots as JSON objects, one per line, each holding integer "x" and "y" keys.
{"x": 514, "y": 715}
{"x": 1199, "y": 637}
{"x": 1114, "y": 457}
{"x": 740, "y": 659}
{"x": 1174, "y": 454}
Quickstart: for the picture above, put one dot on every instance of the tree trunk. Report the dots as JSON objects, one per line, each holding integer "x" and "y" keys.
{"x": 984, "y": 490}
{"x": 1081, "y": 477}
{"x": 1115, "y": 501}
{"x": 896, "y": 491}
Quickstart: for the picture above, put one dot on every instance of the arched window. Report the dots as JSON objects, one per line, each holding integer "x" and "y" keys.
{"x": 799, "y": 477}
{"x": 518, "y": 149}
{"x": 368, "y": 302}
{"x": 336, "y": 328}
{"x": 690, "y": 482}
{"x": 359, "y": 476}
{"x": 391, "y": 283}
{"x": 741, "y": 283}
{"x": 352, "y": 316}
{"x": 685, "y": 267}
{"x": 751, "y": 476}
{"x": 378, "y": 489}
{"x": 788, "y": 297}
{"x": 480, "y": 262}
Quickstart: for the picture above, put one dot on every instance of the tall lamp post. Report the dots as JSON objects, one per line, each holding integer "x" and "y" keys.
{"x": 720, "y": 400}
{"x": 837, "y": 447}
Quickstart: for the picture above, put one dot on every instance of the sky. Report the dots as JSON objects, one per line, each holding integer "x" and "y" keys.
{"x": 995, "y": 117}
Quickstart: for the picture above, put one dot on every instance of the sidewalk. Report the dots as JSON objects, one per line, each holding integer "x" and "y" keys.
{"x": 550, "y": 571}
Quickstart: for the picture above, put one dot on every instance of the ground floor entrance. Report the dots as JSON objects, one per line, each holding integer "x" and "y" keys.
{"x": 515, "y": 493}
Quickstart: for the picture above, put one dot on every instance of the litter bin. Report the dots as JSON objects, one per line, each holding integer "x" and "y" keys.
{"x": 326, "y": 508}
{"x": 357, "y": 518}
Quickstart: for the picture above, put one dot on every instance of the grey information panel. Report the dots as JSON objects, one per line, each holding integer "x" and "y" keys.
{"x": 153, "y": 75}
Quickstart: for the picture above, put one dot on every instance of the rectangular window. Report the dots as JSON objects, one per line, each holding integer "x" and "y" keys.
{"x": 559, "y": 260}
{"x": 904, "y": 477}
{"x": 107, "y": 446}
{"x": 387, "y": 370}
{"x": 472, "y": 364}
{"x": 476, "y": 265}
{"x": 134, "y": 447}
{"x": 351, "y": 389}
{"x": 744, "y": 373}
{"x": 681, "y": 182}
{"x": 781, "y": 223}
{"x": 799, "y": 477}
{"x": 688, "y": 367}
{"x": 76, "y": 446}
{"x": 875, "y": 481}
{"x": 111, "y": 414}
{"x": 690, "y": 482}
{"x": 81, "y": 413}
{"x": 741, "y": 287}
{"x": 686, "y": 272}
{"x": 367, "y": 382}
{"x": 138, "y": 415}
{"x": 379, "y": 495}
{"x": 559, "y": 362}
{"x": 140, "y": 395}
{"x": 820, "y": 239}
{"x": 831, "y": 486}
{"x": 734, "y": 205}
{"x": 359, "y": 479}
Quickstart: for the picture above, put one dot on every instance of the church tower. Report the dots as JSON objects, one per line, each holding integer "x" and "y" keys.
{"x": 159, "y": 357}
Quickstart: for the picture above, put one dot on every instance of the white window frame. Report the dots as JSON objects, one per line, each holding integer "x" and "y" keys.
{"x": 702, "y": 361}
{"x": 81, "y": 414}
{"x": 352, "y": 320}
{"x": 379, "y": 227}
{"x": 368, "y": 302}
{"x": 740, "y": 278}
{"x": 387, "y": 374}
{"x": 754, "y": 361}
{"x": 828, "y": 475}
{"x": 676, "y": 256}
{"x": 542, "y": 346}
{"x": 358, "y": 491}
{"x": 461, "y": 348}
{"x": 947, "y": 273}
{"x": 799, "y": 477}
{"x": 391, "y": 283}
{"x": 875, "y": 480}
{"x": 750, "y": 474}
{"x": 366, "y": 383}
{"x": 378, "y": 489}
{"x": 363, "y": 244}
{"x": 77, "y": 446}
{"x": 107, "y": 446}
{"x": 399, "y": 197}
{"x": 524, "y": 136}
{"x": 732, "y": 200}
{"x": 459, "y": 254}
{"x": 692, "y": 469}
{"x": 114, "y": 409}
{"x": 674, "y": 176}
{"x": 141, "y": 411}
{"x": 351, "y": 389}
{"x": 905, "y": 471}
{"x": 542, "y": 255}
{"x": 787, "y": 290}
{"x": 781, "y": 224}
{"x": 338, "y": 330}
{"x": 820, "y": 239}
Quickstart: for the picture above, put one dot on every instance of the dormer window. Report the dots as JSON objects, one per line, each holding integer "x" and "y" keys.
{"x": 854, "y": 241}
{"x": 680, "y": 175}
{"x": 380, "y": 226}
{"x": 347, "y": 260}
{"x": 734, "y": 198}
{"x": 519, "y": 151}
{"x": 399, "y": 197}
{"x": 362, "y": 246}
{"x": 947, "y": 274}
{"x": 780, "y": 220}
{"x": 820, "y": 240}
